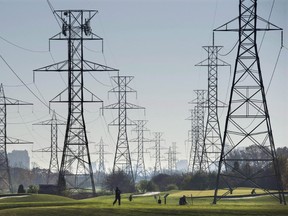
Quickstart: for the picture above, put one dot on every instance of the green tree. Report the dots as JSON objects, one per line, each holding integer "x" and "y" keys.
{"x": 142, "y": 186}
{"x": 32, "y": 189}
{"x": 121, "y": 180}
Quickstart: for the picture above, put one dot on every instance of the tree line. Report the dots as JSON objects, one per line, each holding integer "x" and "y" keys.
{"x": 203, "y": 180}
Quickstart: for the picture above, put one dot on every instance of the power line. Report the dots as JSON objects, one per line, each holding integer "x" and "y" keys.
{"x": 23, "y": 48}
{"x": 274, "y": 69}
{"x": 14, "y": 72}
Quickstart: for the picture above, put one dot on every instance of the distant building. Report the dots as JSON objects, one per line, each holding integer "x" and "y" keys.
{"x": 19, "y": 158}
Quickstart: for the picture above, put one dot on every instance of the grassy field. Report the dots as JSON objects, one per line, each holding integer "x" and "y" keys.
{"x": 35, "y": 205}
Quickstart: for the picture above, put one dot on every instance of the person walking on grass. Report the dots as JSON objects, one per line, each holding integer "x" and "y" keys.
{"x": 117, "y": 196}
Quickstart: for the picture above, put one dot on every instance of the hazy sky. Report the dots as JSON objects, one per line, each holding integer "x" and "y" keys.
{"x": 158, "y": 42}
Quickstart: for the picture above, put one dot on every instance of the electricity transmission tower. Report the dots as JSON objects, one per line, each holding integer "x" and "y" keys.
{"x": 53, "y": 149}
{"x": 198, "y": 161}
{"x": 122, "y": 159}
{"x": 5, "y": 178}
{"x": 100, "y": 173}
{"x": 140, "y": 165}
{"x": 101, "y": 159}
{"x": 212, "y": 135}
{"x": 192, "y": 134}
{"x": 172, "y": 158}
{"x": 248, "y": 122}
{"x": 157, "y": 140}
{"x": 75, "y": 169}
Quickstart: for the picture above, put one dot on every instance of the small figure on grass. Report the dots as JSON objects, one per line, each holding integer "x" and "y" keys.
{"x": 117, "y": 196}
{"x": 182, "y": 200}
{"x": 253, "y": 192}
{"x": 130, "y": 198}
{"x": 159, "y": 201}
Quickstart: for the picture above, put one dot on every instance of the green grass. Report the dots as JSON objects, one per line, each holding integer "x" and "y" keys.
{"x": 46, "y": 205}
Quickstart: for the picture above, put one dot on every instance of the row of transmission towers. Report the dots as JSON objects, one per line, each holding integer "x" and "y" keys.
{"x": 247, "y": 121}
{"x": 75, "y": 171}
{"x": 5, "y": 140}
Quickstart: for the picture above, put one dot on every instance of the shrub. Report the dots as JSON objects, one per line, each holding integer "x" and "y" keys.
{"x": 171, "y": 187}
{"x": 32, "y": 189}
{"x": 21, "y": 189}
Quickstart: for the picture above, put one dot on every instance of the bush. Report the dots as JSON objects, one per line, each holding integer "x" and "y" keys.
{"x": 151, "y": 187}
{"x": 119, "y": 179}
{"x": 171, "y": 187}
{"x": 142, "y": 186}
{"x": 21, "y": 189}
{"x": 33, "y": 189}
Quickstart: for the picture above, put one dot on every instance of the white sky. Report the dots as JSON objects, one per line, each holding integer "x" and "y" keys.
{"x": 158, "y": 42}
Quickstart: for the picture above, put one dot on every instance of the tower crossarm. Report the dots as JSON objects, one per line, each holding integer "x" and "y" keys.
{"x": 10, "y": 140}
{"x": 232, "y": 25}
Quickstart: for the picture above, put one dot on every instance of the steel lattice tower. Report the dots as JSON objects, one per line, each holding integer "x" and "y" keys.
{"x": 100, "y": 172}
{"x": 122, "y": 159}
{"x": 192, "y": 133}
{"x": 140, "y": 165}
{"x": 53, "y": 149}
{"x": 212, "y": 134}
{"x": 157, "y": 140}
{"x": 248, "y": 122}
{"x": 101, "y": 166}
{"x": 5, "y": 178}
{"x": 198, "y": 161}
{"x": 75, "y": 169}
{"x": 170, "y": 160}
{"x": 174, "y": 156}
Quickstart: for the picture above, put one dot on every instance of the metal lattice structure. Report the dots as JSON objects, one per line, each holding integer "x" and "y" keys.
{"x": 140, "y": 128}
{"x": 248, "y": 122}
{"x": 101, "y": 169}
{"x": 75, "y": 169}
{"x": 212, "y": 135}
{"x": 122, "y": 159}
{"x": 157, "y": 140}
{"x": 198, "y": 161}
{"x": 53, "y": 149}
{"x": 5, "y": 178}
{"x": 101, "y": 159}
{"x": 192, "y": 134}
{"x": 170, "y": 160}
{"x": 174, "y": 156}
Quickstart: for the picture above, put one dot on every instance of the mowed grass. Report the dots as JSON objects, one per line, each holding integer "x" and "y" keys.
{"x": 43, "y": 205}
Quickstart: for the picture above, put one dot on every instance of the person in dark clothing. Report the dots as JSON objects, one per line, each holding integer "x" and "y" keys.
{"x": 182, "y": 200}
{"x": 117, "y": 196}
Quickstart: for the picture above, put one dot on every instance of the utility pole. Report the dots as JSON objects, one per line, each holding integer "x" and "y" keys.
{"x": 122, "y": 159}
{"x": 140, "y": 139}
{"x": 75, "y": 169}
{"x": 5, "y": 177}
{"x": 53, "y": 149}
{"x": 248, "y": 121}
{"x": 212, "y": 136}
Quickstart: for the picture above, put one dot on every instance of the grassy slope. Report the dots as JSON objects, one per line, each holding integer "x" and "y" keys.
{"x": 53, "y": 205}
